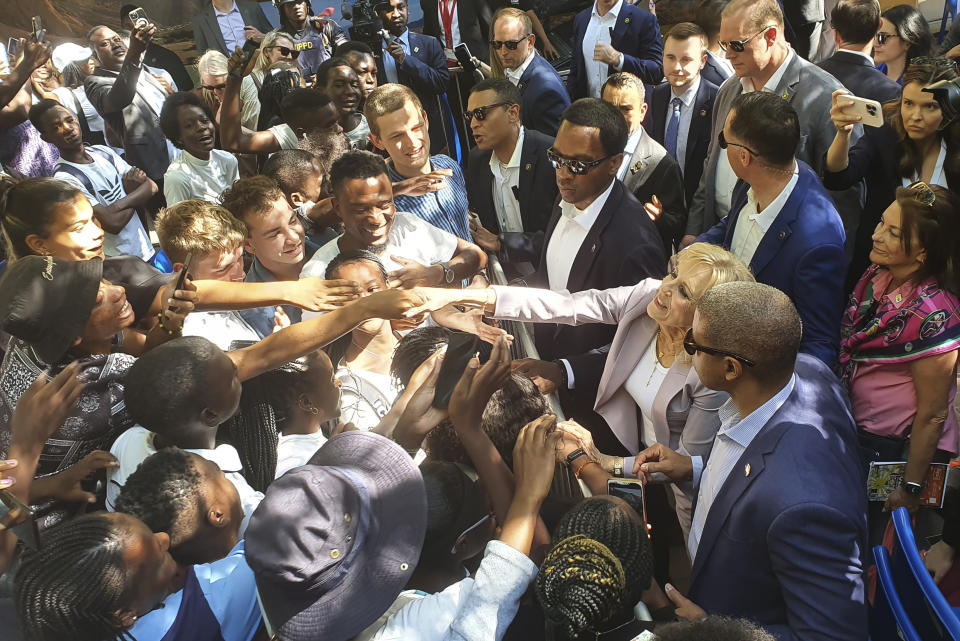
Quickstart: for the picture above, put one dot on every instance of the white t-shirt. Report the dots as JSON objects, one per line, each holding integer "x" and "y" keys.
{"x": 285, "y": 136}
{"x": 106, "y": 178}
{"x": 358, "y": 135}
{"x": 643, "y": 385}
{"x": 136, "y": 444}
{"x": 295, "y": 450}
{"x": 188, "y": 177}
{"x": 366, "y": 397}
{"x": 220, "y": 328}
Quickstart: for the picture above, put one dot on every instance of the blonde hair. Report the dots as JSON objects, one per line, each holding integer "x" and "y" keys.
{"x": 386, "y": 99}
{"x": 212, "y": 63}
{"x": 269, "y": 40}
{"x": 198, "y": 227}
{"x": 758, "y": 13}
{"x": 720, "y": 265}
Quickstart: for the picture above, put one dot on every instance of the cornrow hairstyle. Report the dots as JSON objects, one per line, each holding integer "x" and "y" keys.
{"x": 164, "y": 493}
{"x": 74, "y": 584}
{"x": 614, "y": 523}
{"x": 414, "y": 348}
{"x": 28, "y": 206}
{"x": 581, "y": 586}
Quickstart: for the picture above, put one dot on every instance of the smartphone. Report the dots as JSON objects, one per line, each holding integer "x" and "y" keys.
{"x": 183, "y": 272}
{"x": 464, "y": 57}
{"x": 18, "y": 518}
{"x": 139, "y": 18}
{"x": 460, "y": 349}
{"x": 13, "y": 51}
{"x": 870, "y": 111}
{"x": 632, "y": 491}
{"x": 36, "y": 25}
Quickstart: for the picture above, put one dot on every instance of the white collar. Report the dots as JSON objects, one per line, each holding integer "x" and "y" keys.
{"x": 514, "y": 162}
{"x": 766, "y": 217}
{"x": 771, "y": 86}
{"x": 519, "y": 71}
{"x": 586, "y": 217}
{"x": 615, "y": 11}
{"x": 687, "y": 96}
{"x": 937, "y": 178}
{"x": 190, "y": 159}
{"x": 860, "y": 53}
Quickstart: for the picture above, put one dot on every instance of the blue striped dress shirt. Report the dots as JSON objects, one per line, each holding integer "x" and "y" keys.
{"x": 447, "y": 208}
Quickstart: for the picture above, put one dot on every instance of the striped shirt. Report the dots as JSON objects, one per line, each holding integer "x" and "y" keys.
{"x": 733, "y": 438}
{"x": 447, "y": 208}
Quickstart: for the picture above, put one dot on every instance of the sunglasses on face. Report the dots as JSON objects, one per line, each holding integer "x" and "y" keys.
{"x": 691, "y": 347}
{"x": 509, "y": 44}
{"x": 480, "y": 113}
{"x": 883, "y": 36}
{"x": 740, "y": 45}
{"x": 219, "y": 87}
{"x": 287, "y": 51}
{"x": 576, "y": 167}
{"x": 724, "y": 143}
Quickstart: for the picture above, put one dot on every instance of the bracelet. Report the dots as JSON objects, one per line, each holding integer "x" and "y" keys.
{"x": 580, "y": 469}
{"x": 618, "y": 467}
{"x": 574, "y": 455}
{"x": 165, "y": 328}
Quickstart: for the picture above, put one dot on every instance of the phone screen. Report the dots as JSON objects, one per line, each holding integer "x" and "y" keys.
{"x": 631, "y": 491}
{"x": 13, "y": 50}
{"x": 183, "y": 272}
{"x": 460, "y": 349}
{"x": 464, "y": 57}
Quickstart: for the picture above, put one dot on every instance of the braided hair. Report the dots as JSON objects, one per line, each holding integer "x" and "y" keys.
{"x": 580, "y": 586}
{"x": 74, "y": 585}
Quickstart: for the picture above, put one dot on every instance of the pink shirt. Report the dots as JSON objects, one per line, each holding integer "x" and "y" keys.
{"x": 882, "y": 395}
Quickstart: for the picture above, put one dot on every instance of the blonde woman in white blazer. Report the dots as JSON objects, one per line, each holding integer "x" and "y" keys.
{"x": 653, "y": 317}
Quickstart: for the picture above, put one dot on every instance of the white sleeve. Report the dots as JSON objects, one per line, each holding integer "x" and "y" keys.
{"x": 249, "y": 104}
{"x": 285, "y": 136}
{"x": 442, "y": 244}
{"x": 175, "y": 188}
{"x": 118, "y": 161}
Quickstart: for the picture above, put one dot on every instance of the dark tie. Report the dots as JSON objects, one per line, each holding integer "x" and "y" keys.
{"x": 673, "y": 128}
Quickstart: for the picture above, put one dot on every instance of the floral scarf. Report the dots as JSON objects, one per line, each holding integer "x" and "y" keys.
{"x": 877, "y": 330}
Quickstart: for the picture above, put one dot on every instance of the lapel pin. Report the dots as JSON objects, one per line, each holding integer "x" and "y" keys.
{"x": 528, "y": 166}
{"x": 626, "y": 21}
{"x": 636, "y": 167}
{"x": 746, "y": 470}
{"x": 416, "y": 50}
{"x": 593, "y": 249}
{"x": 786, "y": 94}
{"x": 703, "y": 113}
{"x": 783, "y": 235}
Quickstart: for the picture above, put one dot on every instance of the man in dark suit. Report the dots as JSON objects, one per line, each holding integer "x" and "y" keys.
{"x": 226, "y": 24}
{"x": 855, "y": 25}
{"x": 680, "y": 108}
{"x": 598, "y": 237}
{"x": 130, "y": 98}
{"x": 782, "y": 221}
{"x": 717, "y": 68}
{"x": 613, "y": 36}
{"x": 473, "y": 16}
{"x": 779, "y": 528}
{"x": 157, "y": 56}
{"x": 417, "y": 61}
{"x": 647, "y": 170}
{"x": 511, "y": 184}
{"x": 544, "y": 96}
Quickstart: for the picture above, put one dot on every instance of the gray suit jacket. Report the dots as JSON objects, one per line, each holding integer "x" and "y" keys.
{"x": 206, "y": 29}
{"x": 808, "y": 89}
{"x": 116, "y": 99}
{"x": 653, "y": 171}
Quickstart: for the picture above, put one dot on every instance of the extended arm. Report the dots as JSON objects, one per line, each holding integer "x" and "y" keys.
{"x": 233, "y": 136}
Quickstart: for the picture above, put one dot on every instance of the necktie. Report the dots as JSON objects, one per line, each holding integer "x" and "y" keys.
{"x": 673, "y": 127}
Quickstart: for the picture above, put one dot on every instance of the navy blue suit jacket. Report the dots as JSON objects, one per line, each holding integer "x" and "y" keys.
{"x": 636, "y": 35}
{"x": 544, "y": 96}
{"x": 713, "y": 72}
{"x": 783, "y": 541}
{"x": 801, "y": 255}
{"x": 698, "y": 139}
{"x": 857, "y": 74}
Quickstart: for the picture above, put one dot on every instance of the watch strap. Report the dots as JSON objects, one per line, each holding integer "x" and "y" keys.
{"x": 574, "y": 455}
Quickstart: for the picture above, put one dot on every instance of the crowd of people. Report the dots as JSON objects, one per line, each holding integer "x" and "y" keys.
{"x": 261, "y": 377}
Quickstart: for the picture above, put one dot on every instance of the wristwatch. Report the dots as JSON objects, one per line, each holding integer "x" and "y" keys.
{"x": 448, "y": 275}
{"x": 911, "y": 488}
{"x": 574, "y": 455}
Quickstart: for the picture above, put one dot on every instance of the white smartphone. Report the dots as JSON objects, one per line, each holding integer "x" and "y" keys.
{"x": 870, "y": 111}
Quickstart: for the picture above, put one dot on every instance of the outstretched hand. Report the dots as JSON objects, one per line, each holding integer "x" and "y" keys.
{"x": 660, "y": 458}
{"x": 534, "y": 457}
{"x": 477, "y": 385}
{"x": 420, "y": 416}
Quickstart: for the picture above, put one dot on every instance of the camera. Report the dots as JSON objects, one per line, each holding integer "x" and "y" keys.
{"x": 365, "y": 22}
{"x": 139, "y": 18}
{"x": 947, "y": 95}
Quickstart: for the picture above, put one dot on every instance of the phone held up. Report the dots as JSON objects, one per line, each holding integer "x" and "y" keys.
{"x": 138, "y": 17}
{"x": 633, "y": 492}
{"x": 460, "y": 349}
{"x": 36, "y": 26}
{"x": 870, "y": 111}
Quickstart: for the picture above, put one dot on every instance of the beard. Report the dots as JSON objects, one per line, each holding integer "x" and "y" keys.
{"x": 326, "y": 146}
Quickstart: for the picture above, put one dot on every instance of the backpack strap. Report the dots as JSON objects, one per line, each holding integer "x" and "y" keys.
{"x": 76, "y": 173}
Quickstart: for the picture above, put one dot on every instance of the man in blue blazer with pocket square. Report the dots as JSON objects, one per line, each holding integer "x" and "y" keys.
{"x": 779, "y": 526}
{"x": 609, "y": 37}
{"x": 782, "y": 222}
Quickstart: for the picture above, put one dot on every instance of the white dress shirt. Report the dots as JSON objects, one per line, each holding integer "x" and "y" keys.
{"x": 598, "y": 31}
{"x": 568, "y": 235}
{"x": 389, "y": 64}
{"x": 937, "y": 177}
{"x": 454, "y": 24}
{"x": 732, "y": 440}
{"x": 644, "y": 385}
{"x": 514, "y": 75}
{"x": 751, "y": 225}
{"x": 726, "y": 180}
{"x": 687, "y": 99}
{"x": 628, "y": 151}
{"x": 506, "y": 178}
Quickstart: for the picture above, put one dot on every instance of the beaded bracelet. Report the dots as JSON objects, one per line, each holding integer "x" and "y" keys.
{"x": 580, "y": 469}
{"x": 166, "y": 329}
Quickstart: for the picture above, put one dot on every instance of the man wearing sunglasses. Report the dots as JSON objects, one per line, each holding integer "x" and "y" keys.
{"x": 782, "y": 222}
{"x": 544, "y": 96}
{"x": 613, "y": 36}
{"x": 779, "y": 525}
{"x": 752, "y": 34}
{"x": 314, "y": 37}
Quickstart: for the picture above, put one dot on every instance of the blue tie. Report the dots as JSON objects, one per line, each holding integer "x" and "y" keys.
{"x": 673, "y": 127}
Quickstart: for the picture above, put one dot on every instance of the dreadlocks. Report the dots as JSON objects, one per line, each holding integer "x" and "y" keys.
{"x": 74, "y": 585}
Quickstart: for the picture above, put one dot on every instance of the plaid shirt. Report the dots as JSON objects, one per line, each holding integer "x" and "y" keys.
{"x": 447, "y": 208}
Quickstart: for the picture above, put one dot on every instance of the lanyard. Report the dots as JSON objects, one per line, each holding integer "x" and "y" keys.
{"x": 447, "y": 7}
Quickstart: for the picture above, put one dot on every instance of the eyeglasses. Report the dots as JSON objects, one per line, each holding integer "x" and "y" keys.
{"x": 286, "y": 51}
{"x": 924, "y": 194}
{"x": 509, "y": 44}
{"x": 480, "y": 113}
{"x": 219, "y": 87}
{"x": 576, "y": 167}
{"x": 723, "y": 142}
{"x": 883, "y": 36}
{"x": 691, "y": 347}
{"x": 740, "y": 45}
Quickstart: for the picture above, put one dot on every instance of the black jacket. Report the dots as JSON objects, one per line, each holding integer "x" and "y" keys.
{"x": 859, "y": 76}
{"x": 473, "y": 18}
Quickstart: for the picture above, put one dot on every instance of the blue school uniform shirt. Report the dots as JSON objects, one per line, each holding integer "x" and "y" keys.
{"x": 447, "y": 208}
